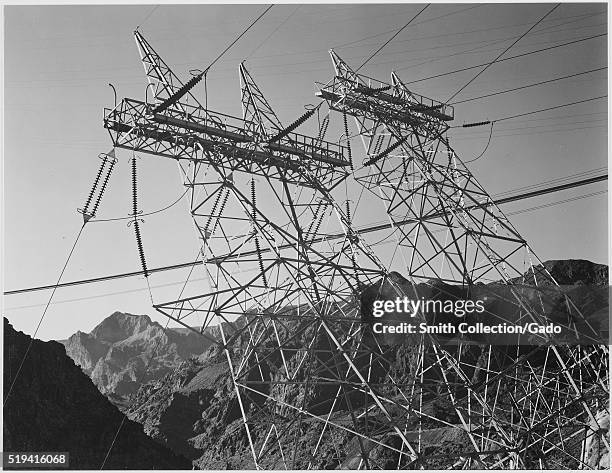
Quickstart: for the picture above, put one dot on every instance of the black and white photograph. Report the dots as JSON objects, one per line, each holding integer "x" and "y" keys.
{"x": 305, "y": 236}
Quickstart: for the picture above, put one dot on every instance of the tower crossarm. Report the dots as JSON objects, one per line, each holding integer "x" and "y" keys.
{"x": 352, "y": 97}
{"x": 363, "y": 97}
{"x": 227, "y": 140}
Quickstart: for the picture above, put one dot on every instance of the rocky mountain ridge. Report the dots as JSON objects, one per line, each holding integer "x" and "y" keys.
{"x": 54, "y": 406}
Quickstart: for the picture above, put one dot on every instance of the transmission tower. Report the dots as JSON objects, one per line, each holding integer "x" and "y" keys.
{"x": 521, "y": 406}
{"x": 286, "y": 273}
{"x": 284, "y": 296}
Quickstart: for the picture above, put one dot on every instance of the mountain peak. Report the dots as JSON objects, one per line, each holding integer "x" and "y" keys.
{"x": 125, "y": 349}
{"x": 119, "y": 326}
{"x": 576, "y": 271}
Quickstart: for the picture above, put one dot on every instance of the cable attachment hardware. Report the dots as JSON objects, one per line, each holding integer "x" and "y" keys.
{"x": 96, "y": 189}
{"x": 136, "y": 221}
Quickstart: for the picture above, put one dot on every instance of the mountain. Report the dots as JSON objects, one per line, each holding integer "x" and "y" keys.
{"x": 567, "y": 272}
{"x": 126, "y": 350}
{"x": 54, "y": 407}
{"x": 194, "y": 409}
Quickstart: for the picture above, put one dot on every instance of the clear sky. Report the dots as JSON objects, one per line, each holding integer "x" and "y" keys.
{"x": 59, "y": 60}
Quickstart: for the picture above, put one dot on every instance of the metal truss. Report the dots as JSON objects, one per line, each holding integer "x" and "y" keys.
{"x": 286, "y": 272}
{"x": 545, "y": 399}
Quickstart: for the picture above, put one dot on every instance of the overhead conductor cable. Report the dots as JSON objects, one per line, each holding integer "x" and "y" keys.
{"x": 86, "y": 217}
{"x": 180, "y": 93}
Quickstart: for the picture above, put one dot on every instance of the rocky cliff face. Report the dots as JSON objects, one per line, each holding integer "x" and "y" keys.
{"x": 124, "y": 351}
{"x": 54, "y": 406}
{"x": 189, "y": 410}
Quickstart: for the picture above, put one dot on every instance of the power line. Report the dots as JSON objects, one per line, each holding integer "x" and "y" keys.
{"x": 274, "y": 31}
{"x": 506, "y": 59}
{"x": 552, "y": 181}
{"x": 153, "y": 212}
{"x": 574, "y": 19}
{"x": 531, "y": 85}
{"x": 485, "y": 148}
{"x": 148, "y": 16}
{"x": 525, "y": 126}
{"x": 366, "y": 229}
{"x": 511, "y": 117}
{"x": 77, "y": 82}
{"x": 557, "y": 202}
{"x": 534, "y": 130}
{"x": 502, "y": 53}
{"x": 548, "y": 190}
{"x": 199, "y": 74}
{"x": 239, "y": 36}
{"x": 575, "y": 177}
{"x": 392, "y": 37}
{"x": 343, "y": 45}
{"x": 42, "y": 317}
{"x": 379, "y": 243}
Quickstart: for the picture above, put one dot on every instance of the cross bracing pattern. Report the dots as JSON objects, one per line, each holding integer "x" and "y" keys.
{"x": 310, "y": 378}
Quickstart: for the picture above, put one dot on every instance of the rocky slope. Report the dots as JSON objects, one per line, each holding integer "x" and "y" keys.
{"x": 194, "y": 409}
{"x": 54, "y": 406}
{"x": 124, "y": 351}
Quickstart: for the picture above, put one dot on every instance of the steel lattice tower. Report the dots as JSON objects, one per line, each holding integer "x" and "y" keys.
{"x": 449, "y": 230}
{"x": 286, "y": 270}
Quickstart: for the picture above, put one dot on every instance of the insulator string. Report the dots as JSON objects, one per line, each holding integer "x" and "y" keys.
{"x": 348, "y": 141}
{"x": 318, "y": 225}
{"x": 179, "y": 94}
{"x": 257, "y": 247}
{"x": 314, "y": 217}
{"x": 104, "y": 184}
{"x": 354, "y": 261}
{"x": 293, "y": 125}
{"x": 221, "y": 209}
{"x": 212, "y": 213}
{"x": 136, "y": 220}
{"x": 378, "y": 145}
{"x": 95, "y": 185}
{"x": 377, "y": 157}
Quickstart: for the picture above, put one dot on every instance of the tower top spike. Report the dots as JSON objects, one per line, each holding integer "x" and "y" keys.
{"x": 255, "y": 107}
{"x": 159, "y": 74}
{"x": 342, "y": 68}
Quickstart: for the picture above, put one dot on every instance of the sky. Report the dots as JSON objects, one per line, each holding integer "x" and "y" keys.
{"x": 59, "y": 60}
